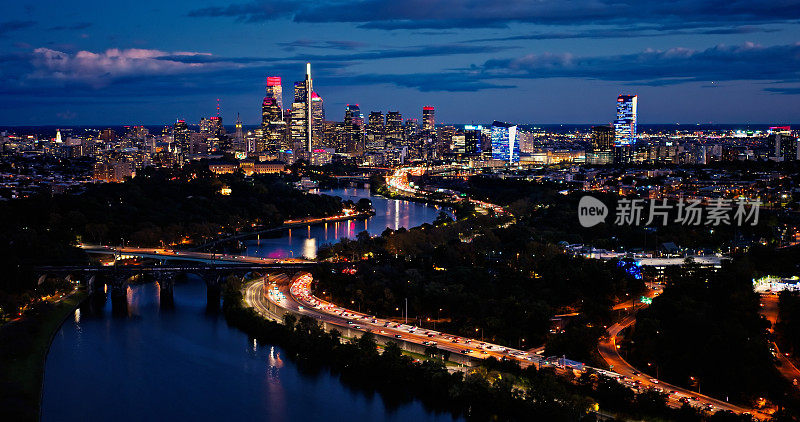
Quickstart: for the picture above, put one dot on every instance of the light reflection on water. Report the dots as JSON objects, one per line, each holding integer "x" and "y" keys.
{"x": 188, "y": 364}
{"x": 391, "y": 213}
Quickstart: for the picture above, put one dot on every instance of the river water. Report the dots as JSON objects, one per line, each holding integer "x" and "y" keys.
{"x": 304, "y": 241}
{"x": 186, "y": 363}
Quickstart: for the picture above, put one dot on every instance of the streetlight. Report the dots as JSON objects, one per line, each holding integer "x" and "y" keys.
{"x": 650, "y": 365}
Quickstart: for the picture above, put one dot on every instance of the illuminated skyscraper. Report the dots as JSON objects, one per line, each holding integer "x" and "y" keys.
{"x": 180, "y": 135}
{"x": 602, "y": 151}
{"x": 353, "y": 125}
{"x": 625, "y": 125}
{"x": 374, "y": 132}
{"x": 428, "y": 119}
{"x": 317, "y": 120}
{"x": 275, "y": 90}
{"x": 301, "y": 112}
{"x": 504, "y": 142}
{"x": 473, "y": 136}
{"x": 394, "y": 127}
{"x": 273, "y": 127}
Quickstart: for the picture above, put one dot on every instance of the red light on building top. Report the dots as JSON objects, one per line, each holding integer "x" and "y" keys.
{"x": 427, "y": 108}
{"x": 786, "y": 128}
{"x": 214, "y": 117}
{"x": 273, "y": 80}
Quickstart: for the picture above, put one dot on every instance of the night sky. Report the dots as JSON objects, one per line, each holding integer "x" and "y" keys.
{"x": 150, "y": 62}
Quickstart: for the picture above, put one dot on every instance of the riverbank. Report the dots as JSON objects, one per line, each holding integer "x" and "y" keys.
{"x": 476, "y": 394}
{"x": 288, "y": 224}
{"x": 24, "y": 345}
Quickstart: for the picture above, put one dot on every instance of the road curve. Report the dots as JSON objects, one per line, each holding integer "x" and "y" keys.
{"x": 297, "y": 298}
{"x": 637, "y": 379}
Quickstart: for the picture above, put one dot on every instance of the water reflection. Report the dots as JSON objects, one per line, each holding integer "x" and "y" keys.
{"x": 391, "y": 213}
{"x": 187, "y": 365}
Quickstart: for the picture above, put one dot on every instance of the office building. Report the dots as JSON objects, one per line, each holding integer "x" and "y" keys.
{"x": 625, "y": 125}
{"x": 602, "y": 148}
{"x": 428, "y": 119}
{"x": 504, "y": 142}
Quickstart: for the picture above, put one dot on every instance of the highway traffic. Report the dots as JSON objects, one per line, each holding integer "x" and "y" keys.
{"x": 296, "y": 296}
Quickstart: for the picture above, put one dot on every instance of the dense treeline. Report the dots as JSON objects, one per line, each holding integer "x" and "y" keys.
{"x": 475, "y": 280}
{"x": 158, "y": 207}
{"x": 553, "y": 217}
{"x": 496, "y": 391}
{"x": 705, "y": 332}
{"x": 788, "y": 327}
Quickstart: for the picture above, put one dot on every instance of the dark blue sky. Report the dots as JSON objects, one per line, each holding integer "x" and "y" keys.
{"x": 564, "y": 61}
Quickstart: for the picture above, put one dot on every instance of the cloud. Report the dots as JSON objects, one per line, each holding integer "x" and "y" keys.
{"x": 435, "y": 50}
{"x": 627, "y": 32}
{"x": 789, "y": 90}
{"x": 336, "y": 45}
{"x": 440, "y": 14}
{"x": 10, "y": 26}
{"x": 748, "y": 61}
{"x": 72, "y": 27}
{"x": 100, "y": 69}
{"x": 144, "y": 73}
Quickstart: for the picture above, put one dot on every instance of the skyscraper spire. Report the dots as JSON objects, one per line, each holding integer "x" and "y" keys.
{"x": 309, "y": 118}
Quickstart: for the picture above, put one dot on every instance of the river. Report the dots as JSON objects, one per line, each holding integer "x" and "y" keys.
{"x": 186, "y": 363}
{"x": 305, "y": 241}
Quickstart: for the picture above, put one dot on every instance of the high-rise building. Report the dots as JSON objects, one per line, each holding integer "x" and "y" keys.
{"x": 180, "y": 135}
{"x": 216, "y": 126}
{"x": 317, "y": 120}
{"x": 302, "y": 119}
{"x": 473, "y": 140}
{"x": 504, "y": 142}
{"x": 625, "y": 125}
{"x": 602, "y": 138}
{"x": 275, "y": 91}
{"x": 205, "y": 125}
{"x": 353, "y": 126}
{"x": 273, "y": 126}
{"x": 602, "y": 148}
{"x": 428, "y": 119}
{"x": 393, "y": 129}
{"x": 374, "y": 132}
{"x": 783, "y": 146}
{"x": 238, "y": 136}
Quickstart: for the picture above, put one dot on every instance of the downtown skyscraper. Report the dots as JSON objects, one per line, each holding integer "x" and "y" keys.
{"x": 428, "y": 119}
{"x": 273, "y": 124}
{"x": 504, "y": 142}
{"x": 302, "y": 118}
{"x": 625, "y": 124}
{"x": 275, "y": 90}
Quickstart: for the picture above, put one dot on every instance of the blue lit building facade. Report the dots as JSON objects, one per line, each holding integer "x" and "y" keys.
{"x": 625, "y": 125}
{"x": 504, "y": 142}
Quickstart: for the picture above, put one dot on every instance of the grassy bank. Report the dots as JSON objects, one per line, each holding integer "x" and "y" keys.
{"x": 23, "y": 350}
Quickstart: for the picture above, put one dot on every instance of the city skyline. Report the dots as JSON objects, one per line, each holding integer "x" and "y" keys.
{"x": 695, "y": 63}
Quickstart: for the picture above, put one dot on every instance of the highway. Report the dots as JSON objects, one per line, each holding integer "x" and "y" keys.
{"x": 297, "y": 297}
{"x": 639, "y": 380}
{"x": 787, "y": 368}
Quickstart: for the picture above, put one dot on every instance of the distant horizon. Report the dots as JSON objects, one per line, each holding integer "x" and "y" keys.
{"x": 541, "y": 61}
{"x": 489, "y": 123}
